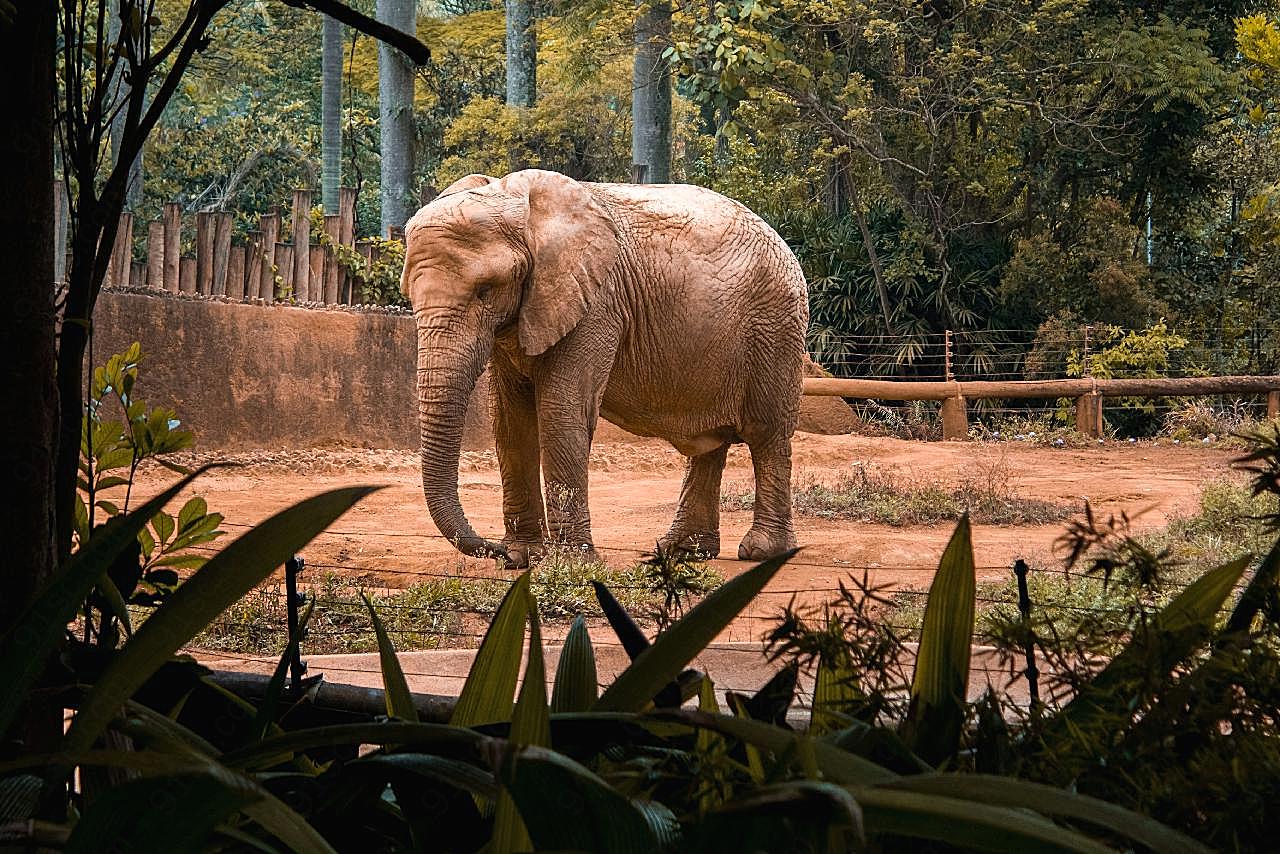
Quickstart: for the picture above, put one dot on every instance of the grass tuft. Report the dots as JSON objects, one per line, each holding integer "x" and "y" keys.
{"x": 885, "y": 497}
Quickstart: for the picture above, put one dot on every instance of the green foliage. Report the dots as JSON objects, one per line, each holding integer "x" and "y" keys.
{"x": 111, "y": 451}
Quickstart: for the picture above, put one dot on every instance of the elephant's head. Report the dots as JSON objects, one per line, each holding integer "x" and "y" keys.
{"x": 532, "y": 251}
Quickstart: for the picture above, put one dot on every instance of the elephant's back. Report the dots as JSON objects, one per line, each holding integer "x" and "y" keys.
{"x": 719, "y": 314}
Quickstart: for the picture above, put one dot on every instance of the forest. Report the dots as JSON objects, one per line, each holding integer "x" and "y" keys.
{"x": 1009, "y": 170}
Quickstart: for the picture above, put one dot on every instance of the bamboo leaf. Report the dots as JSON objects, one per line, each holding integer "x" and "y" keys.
{"x": 575, "y": 687}
{"x": 836, "y": 765}
{"x": 1174, "y": 633}
{"x": 940, "y": 684}
{"x": 159, "y": 814}
{"x": 219, "y": 583}
{"x": 542, "y": 781}
{"x": 530, "y": 725}
{"x": 396, "y": 687}
{"x": 833, "y": 690}
{"x": 662, "y": 662}
{"x": 629, "y": 635}
{"x": 444, "y": 739}
{"x": 25, "y": 649}
{"x": 491, "y": 683}
{"x": 966, "y": 824}
{"x": 1049, "y": 801}
{"x": 266, "y": 713}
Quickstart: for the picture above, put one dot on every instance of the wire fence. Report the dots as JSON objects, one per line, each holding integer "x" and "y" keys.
{"x": 456, "y": 615}
{"x": 1020, "y": 354}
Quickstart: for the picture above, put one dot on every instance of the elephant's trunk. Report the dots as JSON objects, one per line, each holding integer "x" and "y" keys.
{"x": 447, "y": 373}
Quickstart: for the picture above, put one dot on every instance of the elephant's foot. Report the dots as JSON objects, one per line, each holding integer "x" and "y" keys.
{"x": 520, "y": 553}
{"x": 701, "y": 544}
{"x": 760, "y": 544}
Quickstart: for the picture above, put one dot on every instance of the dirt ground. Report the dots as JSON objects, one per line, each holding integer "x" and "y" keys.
{"x": 389, "y": 540}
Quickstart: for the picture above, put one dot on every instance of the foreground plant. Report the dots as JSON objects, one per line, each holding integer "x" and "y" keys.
{"x": 625, "y": 769}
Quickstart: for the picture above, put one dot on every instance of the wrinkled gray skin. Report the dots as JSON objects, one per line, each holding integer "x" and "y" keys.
{"x": 669, "y": 310}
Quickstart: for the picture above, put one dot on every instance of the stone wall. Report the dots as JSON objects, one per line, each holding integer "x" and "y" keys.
{"x": 246, "y": 375}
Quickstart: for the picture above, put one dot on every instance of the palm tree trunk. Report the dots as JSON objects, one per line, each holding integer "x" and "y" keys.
{"x": 522, "y": 54}
{"x": 395, "y": 116}
{"x": 651, "y": 95}
{"x": 331, "y": 113}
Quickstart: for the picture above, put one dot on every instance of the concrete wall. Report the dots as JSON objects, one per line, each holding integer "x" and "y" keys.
{"x": 245, "y": 375}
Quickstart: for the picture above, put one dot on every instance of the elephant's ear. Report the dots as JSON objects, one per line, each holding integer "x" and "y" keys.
{"x": 573, "y": 244}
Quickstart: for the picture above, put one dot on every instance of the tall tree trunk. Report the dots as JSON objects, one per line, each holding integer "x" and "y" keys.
{"x": 522, "y": 54}
{"x": 651, "y": 95}
{"x": 29, "y": 416}
{"x": 395, "y": 115}
{"x": 331, "y": 113}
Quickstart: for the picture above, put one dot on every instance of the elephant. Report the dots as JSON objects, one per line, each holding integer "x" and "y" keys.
{"x": 669, "y": 310}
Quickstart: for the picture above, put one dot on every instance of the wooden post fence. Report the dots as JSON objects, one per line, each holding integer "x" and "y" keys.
{"x": 1088, "y": 392}
{"x": 247, "y": 269}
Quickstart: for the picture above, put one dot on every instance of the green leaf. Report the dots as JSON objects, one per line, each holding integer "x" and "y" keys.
{"x": 575, "y": 687}
{"x": 193, "y": 511}
{"x": 1256, "y": 592}
{"x": 206, "y": 594}
{"x": 266, "y": 713}
{"x": 530, "y": 725}
{"x": 1183, "y": 625}
{"x": 939, "y": 689}
{"x": 445, "y": 739}
{"x": 438, "y": 769}
{"x": 395, "y": 687}
{"x": 1048, "y": 801}
{"x": 542, "y": 782}
{"x": 966, "y": 824}
{"x": 25, "y": 649}
{"x": 111, "y": 594}
{"x": 836, "y": 765}
{"x": 797, "y": 815}
{"x": 163, "y": 523}
{"x": 833, "y": 690}
{"x": 491, "y": 683}
{"x": 685, "y": 639}
{"x": 159, "y": 814}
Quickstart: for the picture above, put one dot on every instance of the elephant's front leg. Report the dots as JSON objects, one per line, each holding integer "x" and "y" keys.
{"x": 566, "y": 421}
{"x": 515, "y": 434}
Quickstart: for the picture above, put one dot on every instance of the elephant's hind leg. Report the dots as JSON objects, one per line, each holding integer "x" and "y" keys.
{"x": 696, "y": 529}
{"x": 771, "y": 531}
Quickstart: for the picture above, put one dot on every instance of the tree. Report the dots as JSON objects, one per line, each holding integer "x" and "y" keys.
{"x": 522, "y": 54}
{"x": 28, "y": 419}
{"x": 331, "y": 113}
{"x": 395, "y": 116}
{"x": 651, "y": 94}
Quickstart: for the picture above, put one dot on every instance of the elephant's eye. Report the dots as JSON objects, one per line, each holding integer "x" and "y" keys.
{"x": 483, "y": 291}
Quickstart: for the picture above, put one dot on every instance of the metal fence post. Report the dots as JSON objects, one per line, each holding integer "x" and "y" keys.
{"x": 1024, "y": 608}
{"x": 293, "y": 601}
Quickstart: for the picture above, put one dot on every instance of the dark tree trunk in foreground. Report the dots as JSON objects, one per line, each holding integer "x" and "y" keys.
{"x": 522, "y": 54}
{"x": 395, "y": 116}
{"x": 29, "y": 413}
{"x": 651, "y": 95}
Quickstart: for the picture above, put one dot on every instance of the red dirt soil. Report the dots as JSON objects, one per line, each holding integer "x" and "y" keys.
{"x": 388, "y": 540}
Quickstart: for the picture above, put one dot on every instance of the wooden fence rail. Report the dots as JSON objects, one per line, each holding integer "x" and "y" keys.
{"x": 264, "y": 267}
{"x": 1088, "y": 393}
